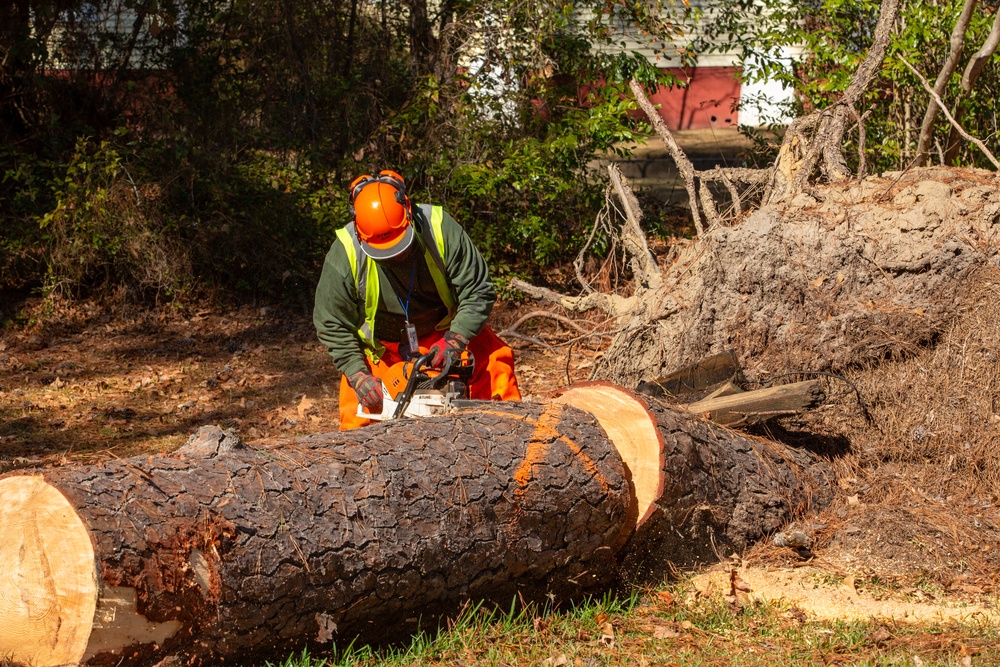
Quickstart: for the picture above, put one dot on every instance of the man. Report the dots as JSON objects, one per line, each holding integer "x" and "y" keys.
{"x": 402, "y": 276}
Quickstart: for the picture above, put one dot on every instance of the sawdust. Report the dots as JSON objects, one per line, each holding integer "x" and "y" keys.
{"x": 825, "y": 598}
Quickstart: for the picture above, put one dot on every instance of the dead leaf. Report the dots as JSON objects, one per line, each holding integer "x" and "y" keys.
{"x": 665, "y": 598}
{"x": 881, "y": 636}
{"x": 665, "y": 632}
{"x": 796, "y": 614}
{"x": 737, "y": 584}
{"x": 817, "y": 282}
{"x": 305, "y": 406}
{"x": 327, "y": 628}
{"x": 607, "y": 639}
{"x": 556, "y": 661}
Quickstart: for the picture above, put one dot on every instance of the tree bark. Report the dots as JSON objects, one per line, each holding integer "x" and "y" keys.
{"x": 704, "y": 491}
{"x": 972, "y": 71}
{"x": 226, "y": 552}
{"x": 950, "y": 64}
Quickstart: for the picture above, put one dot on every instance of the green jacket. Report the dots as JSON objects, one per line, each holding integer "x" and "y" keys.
{"x": 339, "y": 313}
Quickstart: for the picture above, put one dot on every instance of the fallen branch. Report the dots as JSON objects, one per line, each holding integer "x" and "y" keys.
{"x": 978, "y": 60}
{"x": 734, "y": 194}
{"x": 684, "y": 165}
{"x": 612, "y": 304}
{"x": 737, "y": 174}
{"x": 540, "y": 313}
{"x": 708, "y": 203}
{"x": 644, "y": 266}
{"x": 527, "y": 339}
{"x": 972, "y": 71}
{"x": 951, "y": 119}
{"x": 578, "y": 262}
{"x": 860, "y": 118}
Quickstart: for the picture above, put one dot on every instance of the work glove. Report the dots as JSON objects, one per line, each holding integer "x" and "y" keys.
{"x": 451, "y": 344}
{"x": 369, "y": 390}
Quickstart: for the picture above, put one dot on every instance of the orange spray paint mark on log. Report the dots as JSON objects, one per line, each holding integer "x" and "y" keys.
{"x": 538, "y": 446}
{"x": 539, "y": 443}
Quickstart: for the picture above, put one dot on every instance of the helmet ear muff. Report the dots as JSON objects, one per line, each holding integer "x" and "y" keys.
{"x": 357, "y": 185}
{"x": 385, "y": 176}
{"x": 390, "y": 177}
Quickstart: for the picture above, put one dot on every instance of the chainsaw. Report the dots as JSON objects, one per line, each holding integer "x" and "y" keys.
{"x": 415, "y": 389}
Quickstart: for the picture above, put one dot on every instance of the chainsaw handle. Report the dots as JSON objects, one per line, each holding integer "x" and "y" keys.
{"x": 423, "y": 364}
{"x": 415, "y": 376}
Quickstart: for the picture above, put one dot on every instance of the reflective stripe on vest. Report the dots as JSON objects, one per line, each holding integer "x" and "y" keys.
{"x": 366, "y": 276}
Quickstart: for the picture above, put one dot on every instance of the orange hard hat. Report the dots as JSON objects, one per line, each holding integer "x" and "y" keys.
{"x": 381, "y": 214}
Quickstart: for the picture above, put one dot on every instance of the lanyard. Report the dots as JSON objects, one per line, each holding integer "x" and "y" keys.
{"x": 409, "y": 293}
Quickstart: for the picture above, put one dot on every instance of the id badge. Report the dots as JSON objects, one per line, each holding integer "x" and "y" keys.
{"x": 411, "y": 337}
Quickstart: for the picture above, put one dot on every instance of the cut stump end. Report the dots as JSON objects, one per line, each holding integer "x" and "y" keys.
{"x": 48, "y": 575}
{"x": 633, "y": 432}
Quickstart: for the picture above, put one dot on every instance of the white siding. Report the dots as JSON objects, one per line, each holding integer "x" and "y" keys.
{"x": 689, "y": 32}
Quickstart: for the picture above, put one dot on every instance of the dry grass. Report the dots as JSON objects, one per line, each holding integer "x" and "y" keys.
{"x": 919, "y": 467}
{"x": 936, "y": 415}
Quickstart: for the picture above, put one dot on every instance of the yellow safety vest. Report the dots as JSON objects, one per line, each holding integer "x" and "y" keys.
{"x": 366, "y": 275}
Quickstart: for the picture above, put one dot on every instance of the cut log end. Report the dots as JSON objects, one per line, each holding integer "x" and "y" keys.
{"x": 48, "y": 576}
{"x": 633, "y": 432}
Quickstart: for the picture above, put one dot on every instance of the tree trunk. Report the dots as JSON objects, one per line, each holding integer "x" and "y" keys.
{"x": 703, "y": 491}
{"x": 951, "y": 62}
{"x": 224, "y": 551}
{"x": 972, "y": 71}
{"x": 797, "y": 158}
{"x": 422, "y": 41}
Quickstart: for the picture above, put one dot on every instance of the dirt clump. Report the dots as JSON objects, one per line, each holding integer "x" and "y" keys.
{"x": 870, "y": 272}
{"x": 885, "y": 288}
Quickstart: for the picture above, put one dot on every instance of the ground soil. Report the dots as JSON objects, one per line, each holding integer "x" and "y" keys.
{"x": 90, "y": 384}
{"x": 912, "y": 424}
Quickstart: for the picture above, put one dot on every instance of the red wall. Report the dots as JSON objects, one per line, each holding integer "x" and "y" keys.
{"x": 707, "y": 101}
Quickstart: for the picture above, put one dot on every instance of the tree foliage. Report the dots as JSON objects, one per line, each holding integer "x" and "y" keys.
{"x": 220, "y": 136}
{"x": 815, "y": 46}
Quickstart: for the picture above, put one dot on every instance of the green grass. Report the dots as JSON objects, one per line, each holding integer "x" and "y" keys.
{"x": 693, "y": 632}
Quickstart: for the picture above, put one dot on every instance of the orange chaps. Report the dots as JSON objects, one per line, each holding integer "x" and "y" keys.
{"x": 493, "y": 378}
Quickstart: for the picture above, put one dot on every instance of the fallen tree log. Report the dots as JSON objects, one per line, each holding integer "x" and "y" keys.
{"x": 225, "y": 551}
{"x": 228, "y": 552}
{"x": 703, "y": 491}
{"x": 731, "y": 406}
